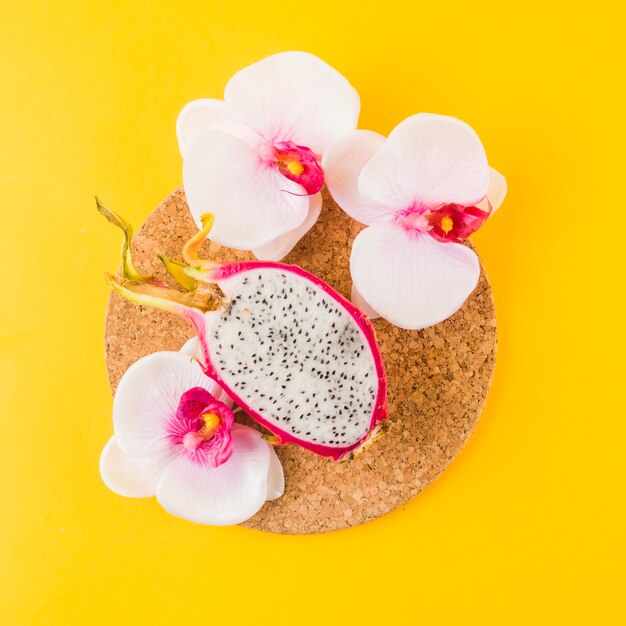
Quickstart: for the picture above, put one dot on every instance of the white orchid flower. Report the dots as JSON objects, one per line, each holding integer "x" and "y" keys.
{"x": 253, "y": 159}
{"x": 420, "y": 192}
{"x": 175, "y": 438}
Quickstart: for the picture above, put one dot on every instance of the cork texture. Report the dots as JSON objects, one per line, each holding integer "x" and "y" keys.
{"x": 438, "y": 379}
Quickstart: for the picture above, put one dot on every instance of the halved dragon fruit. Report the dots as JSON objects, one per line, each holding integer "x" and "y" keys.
{"x": 291, "y": 351}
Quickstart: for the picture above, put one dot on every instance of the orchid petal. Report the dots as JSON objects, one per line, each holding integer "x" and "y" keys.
{"x": 343, "y": 163}
{"x": 427, "y": 161}
{"x": 227, "y": 494}
{"x": 412, "y": 280}
{"x": 497, "y": 189}
{"x": 129, "y": 476}
{"x": 147, "y": 399}
{"x": 362, "y": 305}
{"x": 251, "y": 201}
{"x": 275, "y": 477}
{"x": 280, "y": 247}
{"x": 209, "y": 114}
{"x": 191, "y": 348}
{"x": 294, "y": 96}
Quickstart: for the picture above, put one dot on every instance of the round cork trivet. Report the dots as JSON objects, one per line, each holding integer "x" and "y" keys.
{"x": 438, "y": 379}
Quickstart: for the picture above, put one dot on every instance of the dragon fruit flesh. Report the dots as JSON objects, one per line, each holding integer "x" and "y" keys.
{"x": 292, "y": 352}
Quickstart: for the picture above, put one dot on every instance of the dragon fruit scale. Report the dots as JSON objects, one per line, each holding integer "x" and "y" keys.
{"x": 297, "y": 356}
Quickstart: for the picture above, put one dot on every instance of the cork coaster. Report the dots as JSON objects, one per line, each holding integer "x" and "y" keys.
{"x": 439, "y": 378}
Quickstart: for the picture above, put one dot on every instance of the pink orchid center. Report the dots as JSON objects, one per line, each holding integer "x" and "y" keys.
{"x": 202, "y": 427}
{"x": 447, "y": 223}
{"x": 454, "y": 222}
{"x": 193, "y": 439}
{"x": 296, "y": 163}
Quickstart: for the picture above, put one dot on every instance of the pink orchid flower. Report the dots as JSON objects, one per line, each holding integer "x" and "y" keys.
{"x": 253, "y": 159}
{"x": 420, "y": 191}
{"x": 175, "y": 438}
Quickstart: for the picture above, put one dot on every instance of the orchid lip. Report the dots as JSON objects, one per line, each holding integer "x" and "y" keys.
{"x": 202, "y": 426}
{"x": 194, "y": 438}
{"x": 296, "y": 163}
{"x": 446, "y": 223}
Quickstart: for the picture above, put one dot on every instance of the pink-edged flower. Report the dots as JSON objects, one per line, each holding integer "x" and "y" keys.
{"x": 175, "y": 438}
{"x": 419, "y": 191}
{"x": 253, "y": 159}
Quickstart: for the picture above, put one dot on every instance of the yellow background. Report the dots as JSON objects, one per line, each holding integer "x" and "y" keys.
{"x": 527, "y": 526}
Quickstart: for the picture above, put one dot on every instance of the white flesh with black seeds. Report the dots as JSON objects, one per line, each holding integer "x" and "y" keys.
{"x": 295, "y": 355}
